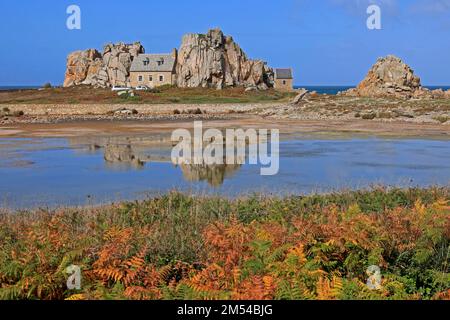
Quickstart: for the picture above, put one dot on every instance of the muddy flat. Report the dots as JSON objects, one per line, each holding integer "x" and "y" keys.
{"x": 286, "y": 126}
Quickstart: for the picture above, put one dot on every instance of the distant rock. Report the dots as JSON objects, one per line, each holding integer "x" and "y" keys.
{"x": 390, "y": 76}
{"x": 251, "y": 88}
{"x": 300, "y": 96}
{"x": 216, "y": 61}
{"x": 107, "y": 69}
{"x": 125, "y": 112}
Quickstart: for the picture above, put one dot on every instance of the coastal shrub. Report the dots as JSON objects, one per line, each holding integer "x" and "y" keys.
{"x": 47, "y": 85}
{"x": 369, "y": 116}
{"x": 176, "y": 111}
{"x": 385, "y": 115}
{"x": 73, "y": 101}
{"x": 442, "y": 119}
{"x": 129, "y": 97}
{"x": 194, "y": 111}
{"x": 181, "y": 247}
{"x": 19, "y": 113}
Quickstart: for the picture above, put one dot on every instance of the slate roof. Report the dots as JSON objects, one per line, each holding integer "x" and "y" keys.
{"x": 153, "y": 63}
{"x": 283, "y": 74}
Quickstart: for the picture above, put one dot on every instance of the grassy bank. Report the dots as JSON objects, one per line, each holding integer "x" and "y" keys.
{"x": 163, "y": 95}
{"x": 180, "y": 247}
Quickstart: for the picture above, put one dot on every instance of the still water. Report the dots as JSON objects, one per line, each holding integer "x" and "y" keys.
{"x": 88, "y": 171}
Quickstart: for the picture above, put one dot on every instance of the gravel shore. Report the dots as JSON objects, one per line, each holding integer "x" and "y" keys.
{"x": 320, "y": 107}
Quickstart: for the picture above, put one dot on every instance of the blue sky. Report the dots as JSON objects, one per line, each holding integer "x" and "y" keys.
{"x": 325, "y": 41}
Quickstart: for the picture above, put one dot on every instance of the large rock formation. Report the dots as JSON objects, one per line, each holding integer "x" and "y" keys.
{"x": 81, "y": 65}
{"x": 111, "y": 68}
{"x": 388, "y": 77}
{"x": 210, "y": 60}
{"x": 213, "y": 60}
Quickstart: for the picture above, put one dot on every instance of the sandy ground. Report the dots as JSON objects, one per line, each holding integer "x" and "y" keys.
{"x": 286, "y": 126}
{"x": 322, "y": 115}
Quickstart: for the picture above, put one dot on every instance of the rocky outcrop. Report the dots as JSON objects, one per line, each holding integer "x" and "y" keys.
{"x": 110, "y": 68}
{"x": 214, "y": 60}
{"x": 390, "y": 76}
{"x": 301, "y": 96}
{"x": 81, "y": 65}
{"x": 117, "y": 61}
{"x": 211, "y": 60}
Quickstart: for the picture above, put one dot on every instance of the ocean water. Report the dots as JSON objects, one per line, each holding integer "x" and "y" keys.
{"x": 331, "y": 90}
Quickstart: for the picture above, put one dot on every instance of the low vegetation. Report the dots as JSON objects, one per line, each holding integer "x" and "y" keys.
{"x": 182, "y": 247}
{"x": 163, "y": 95}
{"x": 6, "y": 112}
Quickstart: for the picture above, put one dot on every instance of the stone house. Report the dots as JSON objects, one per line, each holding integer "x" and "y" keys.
{"x": 284, "y": 80}
{"x": 154, "y": 70}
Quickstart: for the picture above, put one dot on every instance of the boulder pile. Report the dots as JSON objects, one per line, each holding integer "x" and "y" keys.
{"x": 391, "y": 77}
{"x": 107, "y": 69}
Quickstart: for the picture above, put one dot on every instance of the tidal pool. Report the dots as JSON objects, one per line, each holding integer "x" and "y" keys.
{"x": 57, "y": 172}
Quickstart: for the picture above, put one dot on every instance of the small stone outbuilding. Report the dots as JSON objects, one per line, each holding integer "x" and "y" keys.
{"x": 284, "y": 80}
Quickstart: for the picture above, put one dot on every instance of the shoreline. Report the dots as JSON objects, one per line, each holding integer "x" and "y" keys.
{"x": 132, "y": 126}
{"x": 315, "y": 107}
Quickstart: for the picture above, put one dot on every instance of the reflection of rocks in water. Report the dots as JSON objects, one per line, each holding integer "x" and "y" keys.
{"x": 122, "y": 154}
{"x": 134, "y": 151}
{"x": 214, "y": 174}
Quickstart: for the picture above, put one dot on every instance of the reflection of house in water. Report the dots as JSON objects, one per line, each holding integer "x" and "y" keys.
{"x": 214, "y": 174}
{"x": 135, "y": 152}
{"x": 125, "y": 151}
{"x": 122, "y": 154}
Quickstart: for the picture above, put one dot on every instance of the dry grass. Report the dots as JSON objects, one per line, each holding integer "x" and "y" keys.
{"x": 172, "y": 95}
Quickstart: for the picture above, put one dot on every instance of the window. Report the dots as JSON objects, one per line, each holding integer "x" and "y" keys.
{"x": 284, "y": 81}
{"x": 140, "y": 78}
{"x": 161, "y": 78}
{"x": 150, "y": 78}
